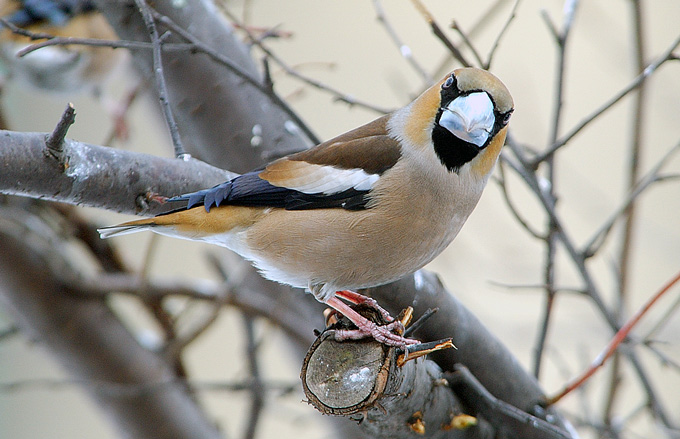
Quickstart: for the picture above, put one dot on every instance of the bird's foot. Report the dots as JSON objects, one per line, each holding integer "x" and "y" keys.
{"x": 360, "y": 299}
{"x": 389, "y": 334}
{"x": 385, "y": 334}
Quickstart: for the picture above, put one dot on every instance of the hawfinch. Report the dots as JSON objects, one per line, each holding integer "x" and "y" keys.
{"x": 362, "y": 209}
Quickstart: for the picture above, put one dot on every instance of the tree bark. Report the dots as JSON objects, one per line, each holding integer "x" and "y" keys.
{"x": 136, "y": 388}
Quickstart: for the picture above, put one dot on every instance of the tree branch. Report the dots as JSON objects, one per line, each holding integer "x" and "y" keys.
{"x": 97, "y": 176}
{"x": 89, "y": 341}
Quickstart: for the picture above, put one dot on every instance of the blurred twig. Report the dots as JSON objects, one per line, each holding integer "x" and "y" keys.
{"x": 439, "y": 33}
{"x": 653, "y": 176}
{"x": 339, "y": 95}
{"x": 619, "y": 337}
{"x": 404, "y": 49}
{"x": 133, "y": 389}
{"x": 668, "y": 55}
{"x": 161, "y": 85}
{"x": 625, "y": 250}
{"x": 257, "y": 386}
{"x": 561, "y": 39}
{"x": 492, "y": 52}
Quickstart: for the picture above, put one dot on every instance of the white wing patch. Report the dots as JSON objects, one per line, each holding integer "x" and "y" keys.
{"x": 328, "y": 180}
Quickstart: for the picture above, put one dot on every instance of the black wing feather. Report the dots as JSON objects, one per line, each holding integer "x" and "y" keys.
{"x": 250, "y": 190}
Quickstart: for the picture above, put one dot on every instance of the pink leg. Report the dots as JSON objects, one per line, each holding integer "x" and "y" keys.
{"x": 357, "y": 298}
{"x": 367, "y": 328}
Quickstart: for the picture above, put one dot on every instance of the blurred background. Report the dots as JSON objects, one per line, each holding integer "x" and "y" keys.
{"x": 494, "y": 266}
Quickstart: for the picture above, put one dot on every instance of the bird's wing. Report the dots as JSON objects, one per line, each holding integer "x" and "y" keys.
{"x": 338, "y": 173}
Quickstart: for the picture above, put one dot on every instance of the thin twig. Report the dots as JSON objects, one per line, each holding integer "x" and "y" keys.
{"x": 466, "y": 40}
{"x": 503, "y": 184}
{"x": 496, "y": 43}
{"x": 8, "y": 332}
{"x": 626, "y": 247}
{"x": 53, "y": 40}
{"x": 619, "y": 337}
{"x": 665, "y": 359}
{"x": 439, "y": 33}
{"x": 265, "y": 32}
{"x": 637, "y": 122}
{"x": 635, "y": 83}
{"x": 226, "y": 62}
{"x": 195, "y": 45}
{"x": 103, "y": 284}
{"x": 551, "y": 235}
{"x": 54, "y": 143}
{"x": 599, "y": 237}
{"x": 338, "y": 95}
{"x": 566, "y": 290}
{"x": 134, "y": 389}
{"x": 162, "y": 87}
{"x": 257, "y": 386}
{"x": 577, "y": 257}
{"x": 95, "y": 42}
{"x": 403, "y": 48}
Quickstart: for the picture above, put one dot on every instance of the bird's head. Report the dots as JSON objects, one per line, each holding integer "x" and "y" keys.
{"x": 464, "y": 118}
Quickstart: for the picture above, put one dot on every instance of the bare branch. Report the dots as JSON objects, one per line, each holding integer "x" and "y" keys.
{"x": 600, "y": 236}
{"x": 339, "y": 95}
{"x": 404, "y": 49}
{"x": 218, "y": 57}
{"x": 634, "y": 84}
{"x": 503, "y": 184}
{"x": 55, "y": 141}
{"x": 257, "y": 387}
{"x": 87, "y": 338}
{"x": 215, "y": 124}
{"x": 439, "y": 33}
{"x": 95, "y": 42}
{"x": 149, "y": 388}
{"x": 550, "y": 187}
{"x": 160, "y": 79}
{"x": 496, "y": 43}
{"x": 523, "y": 424}
{"x": 97, "y": 176}
{"x": 463, "y": 35}
{"x": 619, "y": 337}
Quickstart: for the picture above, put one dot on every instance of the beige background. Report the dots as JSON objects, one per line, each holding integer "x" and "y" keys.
{"x": 342, "y": 44}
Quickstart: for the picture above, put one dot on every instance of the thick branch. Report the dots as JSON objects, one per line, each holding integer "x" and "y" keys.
{"x": 96, "y": 176}
{"x": 91, "y": 343}
{"x": 218, "y": 113}
{"x": 479, "y": 350}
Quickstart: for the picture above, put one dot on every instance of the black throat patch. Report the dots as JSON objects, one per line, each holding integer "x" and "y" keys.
{"x": 452, "y": 151}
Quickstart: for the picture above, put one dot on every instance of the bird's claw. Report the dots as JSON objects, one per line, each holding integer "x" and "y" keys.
{"x": 389, "y": 334}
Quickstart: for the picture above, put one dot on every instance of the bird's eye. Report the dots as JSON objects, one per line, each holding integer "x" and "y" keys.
{"x": 449, "y": 82}
{"x": 506, "y": 117}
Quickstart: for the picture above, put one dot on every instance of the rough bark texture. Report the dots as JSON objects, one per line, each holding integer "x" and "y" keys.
{"x": 97, "y": 176}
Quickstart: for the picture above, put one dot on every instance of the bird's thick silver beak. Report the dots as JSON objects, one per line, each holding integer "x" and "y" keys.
{"x": 469, "y": 118}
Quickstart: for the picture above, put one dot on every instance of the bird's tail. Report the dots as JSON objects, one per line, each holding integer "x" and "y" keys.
{"x": 126, "y": 228}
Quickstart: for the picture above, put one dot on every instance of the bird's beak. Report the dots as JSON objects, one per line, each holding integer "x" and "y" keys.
{"x": 470, "y": 118}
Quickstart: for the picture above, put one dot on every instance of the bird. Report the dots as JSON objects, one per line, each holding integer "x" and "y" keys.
{"x": 56, "y": 69}
{"x": 362, "y": 209}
